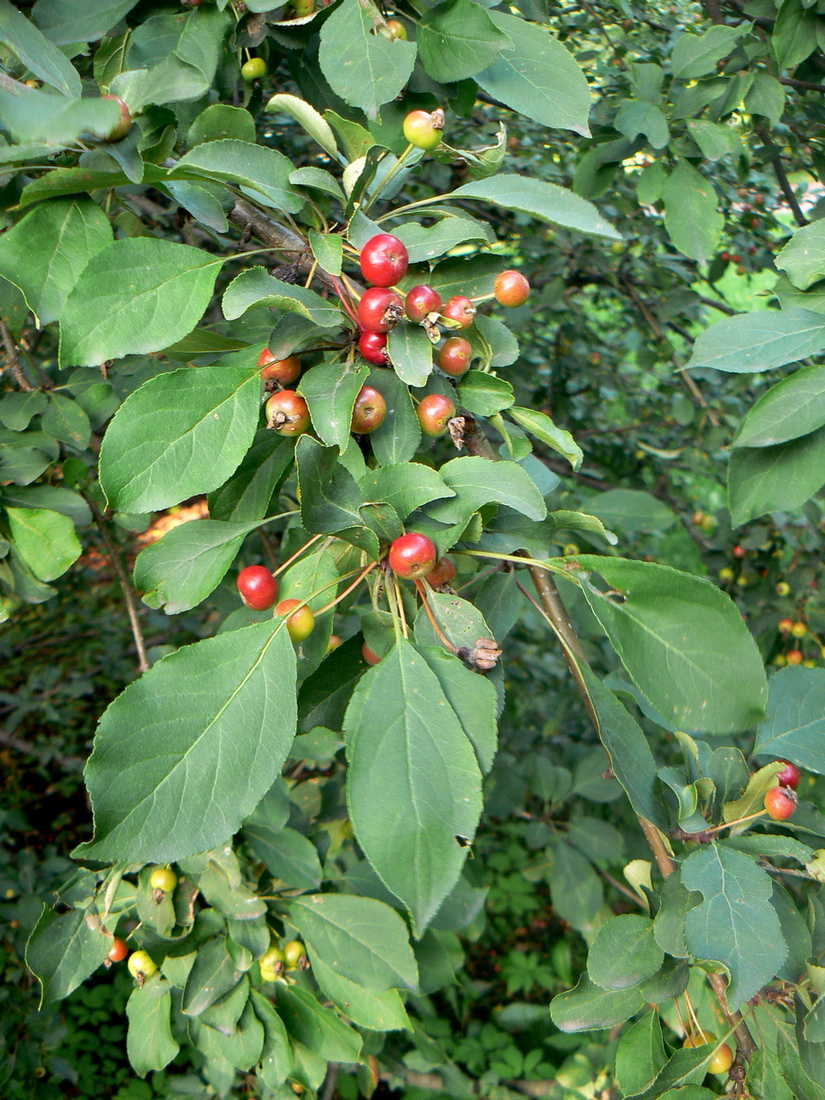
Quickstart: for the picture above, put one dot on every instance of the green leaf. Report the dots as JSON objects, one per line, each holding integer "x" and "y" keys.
{"x": 259, "y": 171}
{"x": 636, "y": 116}
{"x": 366, "y": 1008}
{"x": 792, "y": 408}
{"x": 64, "y": 23}
{"x": 66, "y": 420}
{"x": 541, "y": 200}
{"x": 795, "y": 718}
{"x": 640, "y": 1054}
{"x": 697, "y": 54}
{"x": 459, "y": 620}
{"x": 736, "y": 924}
{"x": 64, "y": 950}
{"x": 683, "y": 643}
{"x": 315, "y": 1027}
{"x": 630, "y": 756}
{"x": 458, "y": 39}
{"x": 255, "y": 287}
{"x": 39, "y": 55}
{"x": 315, "y": 125}
{"x": 276, "y": 1057}
{"x": 537, "y": 76}
{"x": 588, "y": 1007}
{"x": 794, "y": 34}
{"x": 692, "y": 219}
{"x": 774, "y": 479}
{"x": 213, "y": 974}
{"x": 38, "y": 118}
{"x": 473, "y": 699}
{"x": 632, "y": 510}
{"x": 759, "y": 341}
{"x": 328, "y": 250}
{"x": 247, "y": 494}
{"x": 715, "y": 139}
{"x": 358, "y": 938}
{"x": 766, "y": 97}
{"x": 669, "y": 926}
{"x": 405, "y": 740}
{"x": 330, "y": 497}
{"x": 45, "y": 540}
{"x": 484, "y": 394}
{"x": 156, "y": 791}
{"x": 364, "y": 68}
{"x": 429, "y": 242}
{"x": 803, "y": 257}
{"x": 45, "y": 253}
{"x": 575, "y": 888}
{"x": 398, "y": 438}
{"x": 624, "y": 952}
{"x": 180, "y": 434}
{"x": 411, "y": 352}
{"x": 288, "y": 855}
{"x": 330, "y": 390}
{"x": 220, "y": 121}
{"x": 149, "y": 1041}
{"x": 182, "y": 568}
{"x": 404, "y": 485}
{"x": 542, "y": 427}
{"x": 477, "y": 481}
{"x": 138, "y": 296}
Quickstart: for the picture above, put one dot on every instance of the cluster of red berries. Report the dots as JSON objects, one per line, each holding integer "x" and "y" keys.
{"x": 384, "y": 261}
{"x": 259, "y": 590}
{"x": 780, "y": 801}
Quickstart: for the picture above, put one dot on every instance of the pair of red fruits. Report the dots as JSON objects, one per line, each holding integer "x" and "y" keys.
{"x": 780, "y": 802}
{"x": 259, "y": 591}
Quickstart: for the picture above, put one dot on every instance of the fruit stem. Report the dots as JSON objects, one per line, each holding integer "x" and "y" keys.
{"x": 549, "y": 565}
{"x": 297, "y": 554}
{"x": 339, "y": 290}
{"x": 422, "y": 592}
{"x": 738, "y": 821}
{"x": 372, "y": 565}
{"x": 434, "y": 200}
{"x": 399, "y": 622}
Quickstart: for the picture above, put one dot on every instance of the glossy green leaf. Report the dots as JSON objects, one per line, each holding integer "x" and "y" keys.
{"x": 692, "y": 218}
{"x": 683, "y": 643}
{"x": 542, "y": 427}
{"x": 542, "y": 200}
{"x": 537, "y": 76}
{"x": 315, "y": 1027}
{"x": 140, "y": 295}
{"x": 458, "y": 39}
{"x": 149, "y": 1041}
{"x": 588, "y": 1007}
{"x": 430, "y": 242}
{"x": 484, "y": 394}
{"x": 288, "y": 855}
{"x": 411, "y": 353}
{"x": 46, "y": 540}
{"x": 792, "y": 408}
{"x": 472, "y": 697}
{"x": 366, "y": 1008}
{"x": 364, "y": 68}
{"x": 624, "y": 952}
{"x": 179, "y": 434}
{"x": 640, "y": 1054}
{"x": 40, "y": 55}
{"x": 735, "y": 924}
{"x": 637, "y": 117}
{"x": 255, "y": 287}
{"x": 64, "y": 950}
{"x": 794, "y": 33}
{"x": 794, "y": 724}
{"x": 155, "y": 790}
{"x": 405, "y": 740}
{"x": 276, "y": 1056}
{"x": 358, "y": 938}
{"x": 46, "y": 251}
{"x": 305, "y": 114}
{"x": 213, "y": 974}
{"x": 803, "y": 257}
{"x": 575, "y": 888}
{"x": 759, "y": 341}
{"x": 63, "y": 22}
{"x": 67, "y": 421}
{"x": 247, "y": 494}
{"x": 477, "y": 481}
{"x": 406, "y": 486}
{"x": 398, "y": 438}
{"x": 330, "y": 497}
{"x": 330, "y": 390}
{"x": 697, "y": 54}
{"x": 259, "y": 171}
{"x": 774, "y": 479}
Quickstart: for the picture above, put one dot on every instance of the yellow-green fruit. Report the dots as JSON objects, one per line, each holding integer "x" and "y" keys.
{"x": 294, "y": 955}
{"x": 726, "y": 574}
{"x": 271, "y": 963}
{"x": 570, "y": 549}
{"x": 141, "y": 965}
{"x": 783, "y": 589}
{"x": 163, "y": 879}
{"x": 253, "y": 69}
{"x": 799, "y": 630}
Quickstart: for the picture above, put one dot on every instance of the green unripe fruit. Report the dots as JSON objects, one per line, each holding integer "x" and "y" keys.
{"x": 141, "y": 965}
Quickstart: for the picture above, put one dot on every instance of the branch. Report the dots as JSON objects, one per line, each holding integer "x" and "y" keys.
{"x": 278, "y": 237}
{"x": 126, "y": 587}
{"x": 775, "y": 159}
{"x": 13, "y": 358}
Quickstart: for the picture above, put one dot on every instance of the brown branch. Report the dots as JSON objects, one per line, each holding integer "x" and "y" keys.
{"x": 775, "y": 158}
{"x": 714, "y": 12}
{"x": 13, "y": 359}
{"x": 279, "y": 238}
{"x": 129, "y": 596}
{"x": 793, "y": 83}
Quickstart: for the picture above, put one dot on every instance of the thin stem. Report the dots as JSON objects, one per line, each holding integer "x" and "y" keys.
{"x": 738, "y": 821}
{"x": 422, "y": 592}
{"x": 346, "y": 592}
{"x": 13, "y": 358}
{"x": 297, "y": 554}
{"x": 128, "y": 592}
{"x": 394, "y": 595}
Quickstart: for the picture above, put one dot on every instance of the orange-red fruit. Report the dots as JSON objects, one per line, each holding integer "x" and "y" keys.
{"x": 412, "y": 556}
{"x": 118, "y": 951}
{"x": 785, "y": 626}
{"x": 121, "y": 127}
{"x": 421, "y": 301}
{"x": 300, "y": 623}
{"x": 373, "y": 347}
{"x": 380, "y": 309}
{"x": 789, "y": 776}
{"x": 368, "y": 655}
{"x": 794, "y": 657}
{"x": 459, "y": 309}
{"x": 433, "y": 412}
{"x": 444, "y": 572}
{"x": 454, "y": 356}
{"x": 780, "y": 802}
{"x": 287, "y": 413}
{"x": 384, "y": 260}
{"x": 511, "y": 288}
{"x": 369, "y": 411}
{"x": 278, "y": 370}
{"x": 257, "y": 586}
